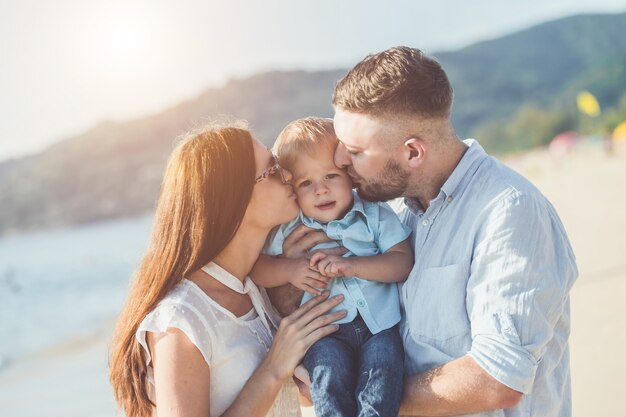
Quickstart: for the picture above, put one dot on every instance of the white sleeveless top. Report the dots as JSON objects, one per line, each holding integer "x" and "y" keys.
{"x": 233, "y": 347}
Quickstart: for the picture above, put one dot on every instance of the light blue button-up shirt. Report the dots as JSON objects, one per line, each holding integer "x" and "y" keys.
{"x": 368, "y": 229}
{"x": 493, "y": 270}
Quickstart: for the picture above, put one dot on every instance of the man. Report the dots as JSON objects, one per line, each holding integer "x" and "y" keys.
{"x": 486, "y": 306}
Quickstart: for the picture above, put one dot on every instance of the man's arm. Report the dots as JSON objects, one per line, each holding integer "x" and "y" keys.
{"x": 516, "y": 292}
{"x": 458, "y": 387}
{"x": 285, "y": 298}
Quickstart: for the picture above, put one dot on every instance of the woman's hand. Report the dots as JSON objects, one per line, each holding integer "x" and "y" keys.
{"x": 298, "y": 331}
{"x": 303, "y": 239}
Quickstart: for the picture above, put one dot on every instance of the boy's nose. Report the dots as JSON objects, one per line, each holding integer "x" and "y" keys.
{"x": 342, "y": 157}
{"x": 321, "y": 189}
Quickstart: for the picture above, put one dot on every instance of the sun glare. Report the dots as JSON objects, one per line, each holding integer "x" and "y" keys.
{"x": 123, "y": 41}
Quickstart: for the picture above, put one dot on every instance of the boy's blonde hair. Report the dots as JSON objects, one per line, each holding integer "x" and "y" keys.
{"x": 304, "y": 136}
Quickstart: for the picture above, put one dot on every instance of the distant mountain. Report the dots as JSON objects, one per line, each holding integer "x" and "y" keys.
{"x": 543, "y": 68}
{"x": 115, "y": 169}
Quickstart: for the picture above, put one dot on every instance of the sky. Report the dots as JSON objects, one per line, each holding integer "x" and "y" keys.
{"x": 67, "y": 65}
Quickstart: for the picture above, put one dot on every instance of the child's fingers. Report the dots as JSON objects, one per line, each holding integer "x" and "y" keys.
{"x": 329, "y": 268}
{"x": 330, "y": 271}
{"x": 302, "y": 374}
{"x": 322, "y": 265}
{"x": 317, "y": 256}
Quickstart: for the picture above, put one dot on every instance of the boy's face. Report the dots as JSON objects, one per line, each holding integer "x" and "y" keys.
{"x": 324, "y": 191}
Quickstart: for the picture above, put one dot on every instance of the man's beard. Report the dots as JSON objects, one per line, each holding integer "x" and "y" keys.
{"x": 391, "y": 183}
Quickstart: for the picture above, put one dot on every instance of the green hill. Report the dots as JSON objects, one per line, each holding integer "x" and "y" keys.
{"x": 511, "y": 93}
{"x": 114, "y": 170}
{"x": 545, "y": 65}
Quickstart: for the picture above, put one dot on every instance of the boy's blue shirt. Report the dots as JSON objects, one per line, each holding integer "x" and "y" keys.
{"x": 367, "y": 229}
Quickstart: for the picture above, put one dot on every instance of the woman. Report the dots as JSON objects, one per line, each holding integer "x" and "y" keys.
{"x": 197, "y": 337}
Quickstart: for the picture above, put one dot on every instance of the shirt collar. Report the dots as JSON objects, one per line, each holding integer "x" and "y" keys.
{"x": 466, "y": 167}
{"x": 469, "y": 163}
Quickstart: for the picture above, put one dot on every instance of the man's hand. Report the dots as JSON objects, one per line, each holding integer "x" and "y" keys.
{"x": 333, "y": 266}
{"x": 308, "y": 279}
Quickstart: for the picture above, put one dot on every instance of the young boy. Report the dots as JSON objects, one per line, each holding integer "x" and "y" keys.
{"x": 357, "y": 370}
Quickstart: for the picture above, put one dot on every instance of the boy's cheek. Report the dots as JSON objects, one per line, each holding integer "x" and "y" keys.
{"x": 301, "y": 198}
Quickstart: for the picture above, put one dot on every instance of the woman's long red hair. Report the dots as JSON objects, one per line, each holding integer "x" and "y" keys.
{"x": 204, "y": 194}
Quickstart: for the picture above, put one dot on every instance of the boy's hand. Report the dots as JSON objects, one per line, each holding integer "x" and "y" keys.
{"x": 308, "y": 279}
{"x": 303, "y": 382}
{"x": 333, "y": 265}
{"x": 302, "y": 374}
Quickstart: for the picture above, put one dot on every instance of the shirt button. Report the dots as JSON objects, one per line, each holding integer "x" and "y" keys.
{"x": 425, "y": 222}
{"x": 449, "y": 199}
{"x": 360, "y": 303}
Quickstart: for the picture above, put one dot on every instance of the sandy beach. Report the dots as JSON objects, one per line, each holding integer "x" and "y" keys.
{"x": 68, "y": 380}
{"x": 588, "y": 189}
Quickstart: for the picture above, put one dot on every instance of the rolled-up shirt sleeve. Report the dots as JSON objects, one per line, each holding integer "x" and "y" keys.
{"x": 522, "y": 269}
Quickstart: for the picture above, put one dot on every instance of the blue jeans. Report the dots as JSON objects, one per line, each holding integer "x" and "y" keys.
{"x": 355, "y": 373}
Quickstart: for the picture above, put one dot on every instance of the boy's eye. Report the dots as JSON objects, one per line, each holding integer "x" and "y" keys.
{"x": 331, "y": 176}
{"x": 304, "y": 183}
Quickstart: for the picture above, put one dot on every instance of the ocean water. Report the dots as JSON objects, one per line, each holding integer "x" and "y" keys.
{"x": 65, "y": 284}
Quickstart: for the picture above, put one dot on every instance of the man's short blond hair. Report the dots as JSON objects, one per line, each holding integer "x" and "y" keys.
{"x": 398, "y": 81}
{"x": 304, "y": 137}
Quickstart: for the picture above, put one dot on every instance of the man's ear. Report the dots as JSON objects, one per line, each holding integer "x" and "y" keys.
{"x": 415, "y": 150}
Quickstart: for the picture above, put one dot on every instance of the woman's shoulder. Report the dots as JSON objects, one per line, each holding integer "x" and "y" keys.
{"x": 181, "y": 292}
{"x": 186, "y": 309}
{"x": 188, "y": 302}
